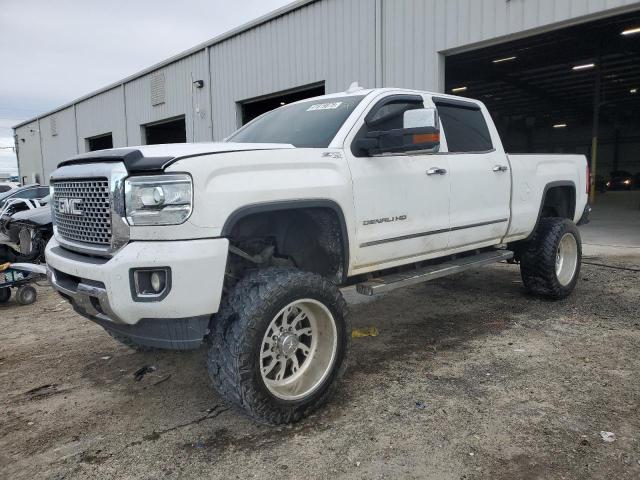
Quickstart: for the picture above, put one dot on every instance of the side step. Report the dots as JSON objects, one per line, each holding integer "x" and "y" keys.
{"x": 404, "y": 279}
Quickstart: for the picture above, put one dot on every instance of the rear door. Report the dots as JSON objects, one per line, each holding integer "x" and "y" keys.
{"x": 480, "y": 175}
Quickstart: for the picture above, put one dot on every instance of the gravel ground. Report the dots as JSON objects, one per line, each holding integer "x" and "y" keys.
{"x": 468, "y": 378}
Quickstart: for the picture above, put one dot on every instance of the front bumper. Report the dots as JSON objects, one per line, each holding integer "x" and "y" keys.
{"x": 100, "y": 288}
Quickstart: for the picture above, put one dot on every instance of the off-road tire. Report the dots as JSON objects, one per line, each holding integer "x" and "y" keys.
{"x": 26, "y": 295}
{"x": 5, "y": 295}
{"x": 538, "y": 260}
{"x": 237, "y": 334}
{"x": 128, "y": 342}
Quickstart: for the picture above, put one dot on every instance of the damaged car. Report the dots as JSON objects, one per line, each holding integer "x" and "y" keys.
{"x": 24, "y": 233}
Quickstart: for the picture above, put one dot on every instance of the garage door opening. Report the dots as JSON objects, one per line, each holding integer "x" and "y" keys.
{"x": 253, "y": 108}
{"x": 167, "y": 131}
{"x": 572, "y": 90}
{"x": 556, "y": 91}
{"x": 99, "y": 142}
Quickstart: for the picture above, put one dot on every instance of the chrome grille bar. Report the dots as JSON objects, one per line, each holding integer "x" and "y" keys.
{"x": 93, "y": 224}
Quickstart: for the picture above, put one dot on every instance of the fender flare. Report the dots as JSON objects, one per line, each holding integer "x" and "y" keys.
{"x": 265, "y": 207}
{"x": 547, "y": 187}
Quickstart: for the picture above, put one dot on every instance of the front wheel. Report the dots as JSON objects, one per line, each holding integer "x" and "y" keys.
{"x": 280, "y": 344}
{"x": 26, "y": 295}
{"x": 550, "y": 265}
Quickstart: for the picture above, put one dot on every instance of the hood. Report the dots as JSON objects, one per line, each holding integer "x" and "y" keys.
{"x": 38, "y": 216}
{"x": 154, "y": 158}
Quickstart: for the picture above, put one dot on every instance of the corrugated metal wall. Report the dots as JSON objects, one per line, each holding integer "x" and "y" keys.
{"x": 415, "y": 32}
{"x": 181, "y": 98}
{"x": 331, "y": 41}
{"x": 102, "y": 114}
{"x": 59, "y": 140}
{"x": 376, "y": 42}
{"x": 28, "y": 143}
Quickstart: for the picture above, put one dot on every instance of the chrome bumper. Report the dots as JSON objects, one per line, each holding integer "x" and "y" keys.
{"x": 88, "y": 300}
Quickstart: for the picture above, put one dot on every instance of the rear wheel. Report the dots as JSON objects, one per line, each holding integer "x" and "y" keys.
{"x": 26, "y": 295}
{"x": 550, "y": 265}
{"x": 280, "y": 344}
{"x": 5, "y": 295}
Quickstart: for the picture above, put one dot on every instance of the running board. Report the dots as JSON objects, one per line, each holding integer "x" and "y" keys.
{"x": 398, "y": 280}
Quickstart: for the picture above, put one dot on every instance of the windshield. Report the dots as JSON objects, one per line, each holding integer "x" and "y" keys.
{"x": 311, "y": 124}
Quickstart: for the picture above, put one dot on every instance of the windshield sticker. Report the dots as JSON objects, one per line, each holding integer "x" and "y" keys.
{"x": 324, "y": 106}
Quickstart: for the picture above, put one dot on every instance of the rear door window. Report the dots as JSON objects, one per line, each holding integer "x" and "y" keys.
{"x": 464, "y": 126}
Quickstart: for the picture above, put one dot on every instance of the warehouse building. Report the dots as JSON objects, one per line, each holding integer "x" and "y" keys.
{"x": 555, "y": 74}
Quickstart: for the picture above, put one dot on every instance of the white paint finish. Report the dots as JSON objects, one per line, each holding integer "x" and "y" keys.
{"x": 530, "y": 175}
{"x": 478, "y": 194}
{"x": 59, "y": 147}
{"x": 29, "y": 158}
{"x": 195, "y": 290}
{"x": 276, "y": 175}
{"x": 331, "y": 41}
{"x": 181, "y": 98}
{"x": 102, "y": 114}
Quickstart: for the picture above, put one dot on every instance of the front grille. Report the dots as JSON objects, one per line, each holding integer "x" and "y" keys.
{"x": 91, "y": 198}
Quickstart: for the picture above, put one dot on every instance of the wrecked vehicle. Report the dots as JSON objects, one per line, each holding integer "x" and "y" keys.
{"x": 242, "y": 245}
{"x": 25, "y": 230}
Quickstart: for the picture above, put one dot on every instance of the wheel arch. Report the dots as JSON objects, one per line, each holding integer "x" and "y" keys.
{"x": 551, "y": 192}
{"x": 294, "y": 205}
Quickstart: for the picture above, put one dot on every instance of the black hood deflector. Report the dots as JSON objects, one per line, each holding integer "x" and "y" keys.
{"x": 133, "y": 159}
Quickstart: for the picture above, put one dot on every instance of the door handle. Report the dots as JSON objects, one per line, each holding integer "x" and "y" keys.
{"x": 436, "y": 171}
{"x": 500, "y": 168}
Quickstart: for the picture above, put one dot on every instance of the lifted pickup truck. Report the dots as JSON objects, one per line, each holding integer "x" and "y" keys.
{"x": 242, "y": 245}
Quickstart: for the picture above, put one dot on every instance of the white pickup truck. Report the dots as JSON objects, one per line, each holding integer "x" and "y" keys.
{"x": 242, "y": 245}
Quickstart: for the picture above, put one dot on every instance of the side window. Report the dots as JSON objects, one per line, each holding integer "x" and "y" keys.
{"x": 386, "y": 116}
{"x": 391, "y": 114}
{"x": 465, "y": 128}
{"x": 29, "y": 194}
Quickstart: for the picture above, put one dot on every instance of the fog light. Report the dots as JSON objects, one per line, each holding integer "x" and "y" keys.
{"x": 157, "y": 281}
{"x": 150, "y": 284}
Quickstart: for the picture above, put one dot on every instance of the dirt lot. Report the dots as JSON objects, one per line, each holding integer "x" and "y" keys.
{"x": 469, "y": 378}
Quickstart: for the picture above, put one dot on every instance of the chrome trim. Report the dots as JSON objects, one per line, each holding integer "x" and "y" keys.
{"x": 81, "y": 295}
{"x": 432, "y": 232}
{"x": 115, "y": 173}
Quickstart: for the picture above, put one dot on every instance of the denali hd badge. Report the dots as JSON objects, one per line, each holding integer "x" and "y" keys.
{"x": 70, "y": 206}
{"x": 399, "y": 218}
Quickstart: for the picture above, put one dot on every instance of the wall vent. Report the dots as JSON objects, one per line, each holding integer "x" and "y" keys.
{"x": 158, "y": 91}
{"x": 53, "y": 121}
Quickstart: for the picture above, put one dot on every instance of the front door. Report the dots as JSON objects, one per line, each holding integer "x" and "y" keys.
{"x": 401, "y": 200}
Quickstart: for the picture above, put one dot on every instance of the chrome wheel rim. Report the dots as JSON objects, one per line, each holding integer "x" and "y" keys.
{"x": 566, "y": 259}
{"x": 298, "y": 349}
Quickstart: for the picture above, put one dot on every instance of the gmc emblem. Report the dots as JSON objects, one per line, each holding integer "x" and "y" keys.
{"x": 70, "y": 206}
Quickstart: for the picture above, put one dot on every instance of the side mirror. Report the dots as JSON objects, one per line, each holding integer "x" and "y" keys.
{"x": 421, "y": 118}
{"x": 420, "y": 132}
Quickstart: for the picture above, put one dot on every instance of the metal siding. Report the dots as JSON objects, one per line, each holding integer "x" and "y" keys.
{"x": 29, "y": 158}
{"x": 61, "y": 146}
{"x": 102, "y": 114}
{"x": 331, "y": 41}
{"x": 181, "y": 98}
{"x": 335, "y": 41}
{"x": 416, "y": 32}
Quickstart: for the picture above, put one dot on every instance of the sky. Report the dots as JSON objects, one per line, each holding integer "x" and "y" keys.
{"x": 52, "y": 52}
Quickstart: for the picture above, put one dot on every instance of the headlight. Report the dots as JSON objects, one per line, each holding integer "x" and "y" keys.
{"x": 158, "y": 199}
